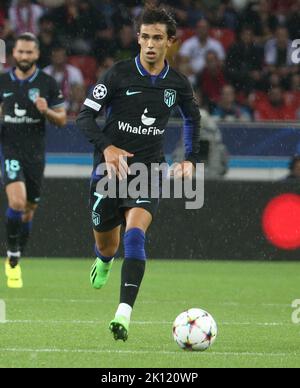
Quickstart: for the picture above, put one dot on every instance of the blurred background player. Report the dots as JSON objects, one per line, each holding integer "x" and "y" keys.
{"x": 294, "y": 168}
{"x": 138, "y": 93}
{"x": 28, "y": 97}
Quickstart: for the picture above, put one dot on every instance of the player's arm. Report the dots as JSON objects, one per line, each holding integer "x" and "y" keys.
{"x": 191, "y": 132}
{"x": 53, "y": 108}
{"x": 56, "y": 116}
{"x": 97, "y": 99}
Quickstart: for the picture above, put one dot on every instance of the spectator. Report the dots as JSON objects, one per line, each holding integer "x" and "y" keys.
{"x": 67, "y": 76}
{"x": 77, "y": 95}
{"x": 294, "y": 168}
{"x": 225, "y": 16}
{"x": 114, "y": 12}
{"x": 293, "y": 21}
{"x": 228, "y": 109}
{"x": 278, "y": 56}
{"x": 274, "y": 107}
{"x": 244, "y": 63}
{"x": 5, "y": 30}
{"x": 292, "y": 96}
{"x": 278, "y": 50}
{"x": 24, "y": 17}
{"x": 214, "y": 153}
{"x": 76, "y": 23}
{"x": 105, "y": 44}
{"x": 259, "y": 16}
{"x": 282, "y": 7}
{"x": 187, "y": 13}
{"x": 127, "y": 46}
{"x": 2, "y": 17}
{"x": 51, "y": 3}
{"x": 211, "y": 81}
{"x": 193, "y": 52}
{"x": 48, "y": 40}
{"x": 105, "y": 64}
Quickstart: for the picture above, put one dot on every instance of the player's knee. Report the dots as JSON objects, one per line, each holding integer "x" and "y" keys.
{"x": 107, "y": 250}
{"x": 28, "y": 216}
{"x": 17, "y": 204}
{"x": 134, "y": 243}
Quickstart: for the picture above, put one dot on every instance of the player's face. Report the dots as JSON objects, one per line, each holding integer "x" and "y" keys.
{"x": 154, "y": 42}
{"x": 26, "y": 55}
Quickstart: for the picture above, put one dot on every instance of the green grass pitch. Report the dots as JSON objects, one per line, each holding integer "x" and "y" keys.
{"x": 58, "y": 320}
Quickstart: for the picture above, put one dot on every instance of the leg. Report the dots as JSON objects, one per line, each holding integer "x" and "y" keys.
{"x": 138, "y": 221}
{"x": 107, "y": 244}
{"x": 16, "y": 194}
{"x": 106, "y": 219}
{"x": 33, "y": 174}
{"x": 27, "y": 219}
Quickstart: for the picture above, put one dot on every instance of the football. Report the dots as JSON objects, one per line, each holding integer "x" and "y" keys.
{"x": 195, "y": 329}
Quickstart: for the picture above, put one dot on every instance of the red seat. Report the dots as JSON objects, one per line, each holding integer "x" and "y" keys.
{"x": 2, "y": 18}
{"x": 87, "y": 65}
{"x": 185, "y": 33}
{"x": 225, "y": 36}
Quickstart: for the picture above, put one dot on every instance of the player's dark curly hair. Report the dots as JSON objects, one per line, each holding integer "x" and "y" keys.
{"x": 158, "y": 16}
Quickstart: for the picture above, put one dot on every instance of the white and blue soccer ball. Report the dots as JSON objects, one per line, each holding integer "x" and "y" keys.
{"x": 195, "y": 329}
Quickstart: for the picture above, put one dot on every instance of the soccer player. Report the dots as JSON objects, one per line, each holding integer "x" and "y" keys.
{"x": 139, "y": 95}
{"x": 28, "y": 97}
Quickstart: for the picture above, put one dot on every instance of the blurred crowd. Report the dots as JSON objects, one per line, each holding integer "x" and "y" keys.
{"x": 236, "y": 53}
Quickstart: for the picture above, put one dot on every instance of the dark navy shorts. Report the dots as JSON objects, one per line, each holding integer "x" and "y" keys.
{"x": 16, "y": 169}
{"x": 108, "y": 212}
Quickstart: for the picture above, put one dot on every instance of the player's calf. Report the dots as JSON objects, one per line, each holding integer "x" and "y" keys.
{"x": 100, "y": 270}
{"x": 133, "y": 270}
{"x": 13, "y": 231}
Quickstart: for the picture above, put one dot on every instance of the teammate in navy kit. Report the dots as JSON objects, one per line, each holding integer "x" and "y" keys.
{"x": 28, "y": 97}
{"x": 138, "y": 95}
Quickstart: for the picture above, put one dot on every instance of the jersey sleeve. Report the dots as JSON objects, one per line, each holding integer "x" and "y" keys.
{"x": 97, "y": 99}
{"x": 191, "y": 115}
{"x": 56, "y": 98}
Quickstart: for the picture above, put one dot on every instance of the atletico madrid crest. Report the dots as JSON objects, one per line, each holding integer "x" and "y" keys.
{"x": 33, "y": 94}
{"x": 170, "y": 97}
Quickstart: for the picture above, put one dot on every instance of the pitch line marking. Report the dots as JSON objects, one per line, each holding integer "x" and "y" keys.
{"x": 62, "y": 300}
{"x": 95, "y": 322}
{"x": 103, "y": 351}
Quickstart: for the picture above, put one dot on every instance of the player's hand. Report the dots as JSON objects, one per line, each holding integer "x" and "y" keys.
{"x": 115, "y": 159}
{"x": 183, "y": 170}
{"x": 42, "y": 105}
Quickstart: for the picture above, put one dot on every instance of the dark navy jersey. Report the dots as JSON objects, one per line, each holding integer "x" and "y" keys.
{"x": 23, "y": 125}
{"x": 138, "y": 108}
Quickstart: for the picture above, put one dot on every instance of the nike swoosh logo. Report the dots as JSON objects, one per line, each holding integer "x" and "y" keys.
{"x": 129, "y": 93}
{"x": 5, "y": 95}
{"x": 140, "y": 201}
{"x": 130, "y": 285}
